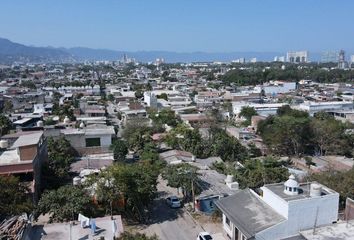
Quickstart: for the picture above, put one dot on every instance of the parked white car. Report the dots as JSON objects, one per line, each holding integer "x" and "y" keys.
{"x": 173, "y": 202}
{"x": 204, "y": 236}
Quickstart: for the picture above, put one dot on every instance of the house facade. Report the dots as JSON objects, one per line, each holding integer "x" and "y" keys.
{"x": 279, "y": 211}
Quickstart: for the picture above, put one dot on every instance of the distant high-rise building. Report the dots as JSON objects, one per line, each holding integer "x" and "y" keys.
{"x": 297, "y": 57}
{"x": 330, "y": 56}
{"x": 240, "y": 60}
{"x": 351, "y": 60}
{"x": 279, "y": 59}
{"x": 126, "y": 59}
{"x": 253, "y": 60}
{"x": 341, "y": 60}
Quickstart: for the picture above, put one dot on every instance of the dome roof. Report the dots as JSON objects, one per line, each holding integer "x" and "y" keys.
{"x": 291, "y": 182}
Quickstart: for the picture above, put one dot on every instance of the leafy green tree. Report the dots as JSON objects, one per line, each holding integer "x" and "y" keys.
{"x": 5, "y": 125}
{"x": 135, "y": 183}
{"x": 286, "y": 134}
{"x": 288, "y": 111}
{"x": 60, "y": 156}
{"x": 110, "y": 97}
{"x": 166, "y": 116}
{"x": 247, "y": 112}
{"x": 136, "y": 236}
{"x": 328, "y": 134}
{"x": 55, "y": 172}
{"x": 139, "y": 94}
{"x": 227, "y": 147}
{"x": 309, "y": 161}
{"x": 256, "y": 173}
{"x": 341, "y": 182}
{"x": 183, "y": 176}
{"x": 137, "y": 134}
{"x": 120, "y": 150}
{"x": 162, "y": 96}
{"x": 14, "y": 197}
{"x": 63, "y": 204}
{"x": 254, "y": 151}
{"x": 8, "y": 106}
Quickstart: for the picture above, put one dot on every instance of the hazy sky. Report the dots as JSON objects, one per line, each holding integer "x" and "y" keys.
{"x": 181, "y": 25}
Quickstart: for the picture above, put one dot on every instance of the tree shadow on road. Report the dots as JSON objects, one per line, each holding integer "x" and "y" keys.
{"x": 161, "y": 212}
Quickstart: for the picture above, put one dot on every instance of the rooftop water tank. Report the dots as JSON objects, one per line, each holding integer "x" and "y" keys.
{"x": 66, "y": 120}
{"x": 76, "y": 181}
{"x": 4, "y": 144}
{"x": 40, "y": 124}
{"x": 315, "y": 190}
{"x": 229, "y": 179}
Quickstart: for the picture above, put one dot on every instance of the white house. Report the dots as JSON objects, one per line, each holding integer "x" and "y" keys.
{"x": 95, "y": 138}
{"x": 264, "y": 109}
{"x": 280, "y": 211}
{"x": 314, "y": 107}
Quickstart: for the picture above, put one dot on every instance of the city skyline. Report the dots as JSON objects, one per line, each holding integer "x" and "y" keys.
{"x": 182, "y": 26}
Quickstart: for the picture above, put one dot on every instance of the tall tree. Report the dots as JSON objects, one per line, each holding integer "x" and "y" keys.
{"x": 14, "y": 198}
{"x": 134, "y": 183}
{"x": 63, "y": 204}
{"x": 120, "y": 150}
{"x": 328, "y": 134}
{"x": 247, "y": 112}
{"x": 183, "y": 176}
{"x": 5, "y": 124}
{"x": 61, "y": 155}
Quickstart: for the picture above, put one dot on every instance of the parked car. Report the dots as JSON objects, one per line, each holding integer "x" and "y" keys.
{"x": 173, "y": 202}
{"x": 204, "y": 236}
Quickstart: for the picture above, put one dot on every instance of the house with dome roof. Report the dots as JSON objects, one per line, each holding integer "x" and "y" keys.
{"x": 278, "y": 211}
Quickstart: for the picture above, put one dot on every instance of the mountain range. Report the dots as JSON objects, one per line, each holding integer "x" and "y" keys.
{"x": 11, "y": 52}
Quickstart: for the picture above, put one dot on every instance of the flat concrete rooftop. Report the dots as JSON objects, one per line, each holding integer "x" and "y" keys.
{"x": 338, "y": 231}
{"x": 304, "y": 191}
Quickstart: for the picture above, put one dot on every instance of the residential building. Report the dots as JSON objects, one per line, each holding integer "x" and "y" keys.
{"x": 24, "y": 158}
{"x": 94, "y": 138}
{"x": 313, "y": 107}
{"x": 279, "y": 211}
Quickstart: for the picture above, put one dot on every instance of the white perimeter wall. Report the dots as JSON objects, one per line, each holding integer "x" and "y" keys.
{"x": 302, "y": 215}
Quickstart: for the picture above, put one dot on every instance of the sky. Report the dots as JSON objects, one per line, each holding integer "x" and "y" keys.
{"x": 181, "y": 25}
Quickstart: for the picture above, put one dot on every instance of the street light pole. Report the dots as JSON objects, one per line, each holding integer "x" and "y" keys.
{"x": 193, "y": 193}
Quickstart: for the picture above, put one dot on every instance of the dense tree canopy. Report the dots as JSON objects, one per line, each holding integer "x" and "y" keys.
{"x": 14, "y": 197}
{"x": 256, "y": 173}
{"x": 247, "y": 112}
{"x": 55, "y": 172}
{"x": 252, "y": 74}
{"x": 120, "y": 150}
{"x": 218, "y": 143}
{"x": 134, "y": 183}
{"x": 292, "y": 132}
{"x": 5, "y": 125}
{"x": 341, "y": 182}
{"x": 165, "y": 116}
{"x": 64, "y": 203}
{"x": 136, "y": 236}
{"x": 183, "y": 176}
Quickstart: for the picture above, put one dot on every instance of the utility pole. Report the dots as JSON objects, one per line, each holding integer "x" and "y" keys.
{"x": 193, "y": 193}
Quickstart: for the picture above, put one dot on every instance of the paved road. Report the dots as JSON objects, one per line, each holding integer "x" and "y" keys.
{"x": 170, "y": 223}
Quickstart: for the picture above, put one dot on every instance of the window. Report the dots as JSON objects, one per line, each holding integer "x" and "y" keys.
{"x": 93, "y": 142}
{"x": 290, "y": 189}
{"x": 227, "y": 221}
